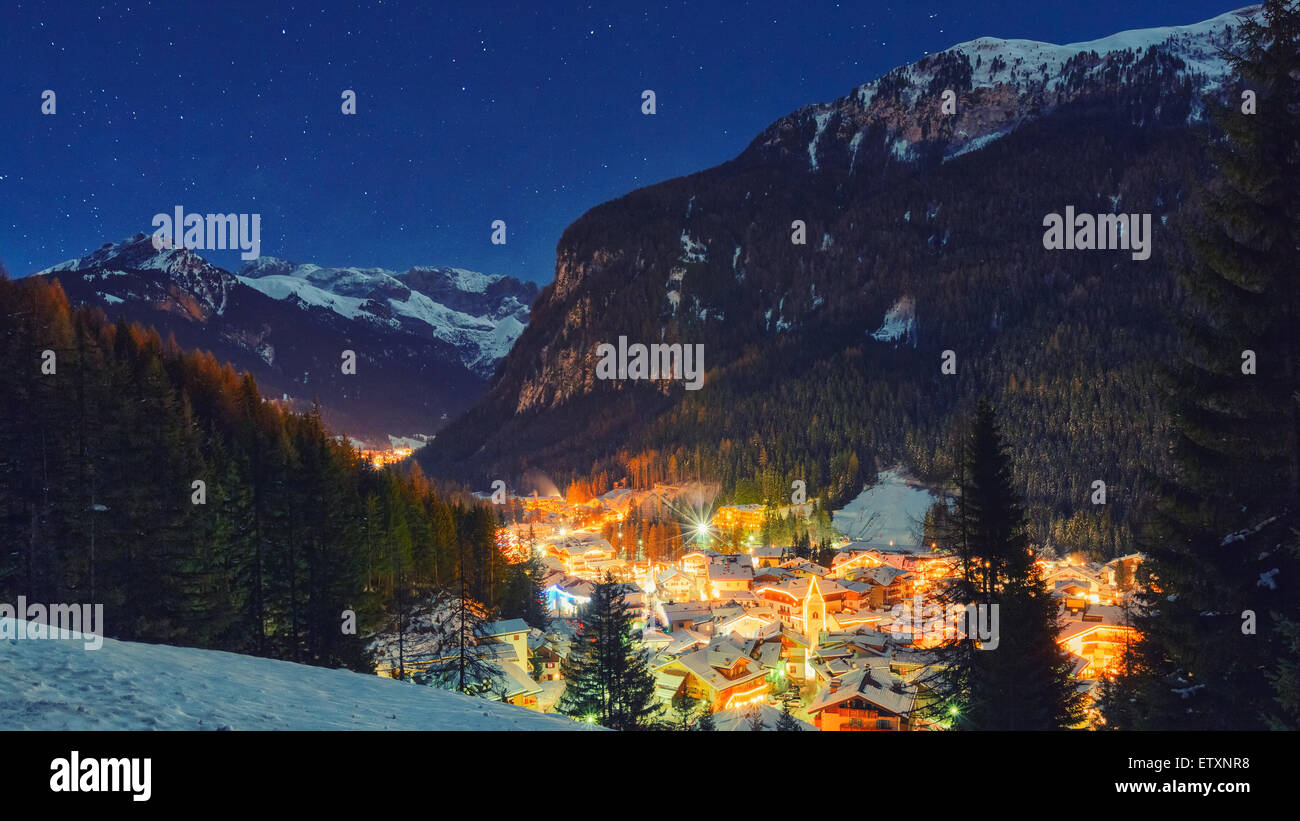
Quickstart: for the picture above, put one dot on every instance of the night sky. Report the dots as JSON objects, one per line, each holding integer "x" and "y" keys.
{"x": 467, "y": 111}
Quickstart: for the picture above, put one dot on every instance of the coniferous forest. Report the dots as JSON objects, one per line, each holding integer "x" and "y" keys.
{"x": 161, "y": 483}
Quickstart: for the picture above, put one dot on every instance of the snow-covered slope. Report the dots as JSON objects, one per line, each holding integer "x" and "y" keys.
{"x": 480, "y": 314}
{"x": 741, "y": 719}
{"x": 999, "y": 85}
{"x": 890, "y": 511}
{"x": 60, "y": 685}
{"x": 899, "y": 325}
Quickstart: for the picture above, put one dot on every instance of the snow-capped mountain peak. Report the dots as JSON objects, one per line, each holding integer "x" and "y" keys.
{"x": 208, "y": 284}
{"x": 481, "y": 315}
{"x": 999, "y": 85}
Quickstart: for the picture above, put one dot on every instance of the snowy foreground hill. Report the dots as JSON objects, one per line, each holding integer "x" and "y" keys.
{"x": 60, "y": 685}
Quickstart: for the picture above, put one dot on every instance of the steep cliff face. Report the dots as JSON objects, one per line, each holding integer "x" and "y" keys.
{"x": 902, "y": 200}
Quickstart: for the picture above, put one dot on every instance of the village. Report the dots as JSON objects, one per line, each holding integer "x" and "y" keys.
{"x": 749, "y": 630}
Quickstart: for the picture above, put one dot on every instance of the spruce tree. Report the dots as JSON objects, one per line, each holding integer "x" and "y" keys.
{"x": 1219, "y": 585}
{"x": 706, "y": 722}
{"x": 607, "y": 677}
{"x": 786, "y": 722}
{"x": 685, "y": 711}
{"x": 525, "y": 598}
{"x": 454, "y": 646}
{"x": 1022, "y": 683}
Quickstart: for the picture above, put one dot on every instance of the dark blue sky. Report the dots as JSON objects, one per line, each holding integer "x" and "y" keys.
{"x": 467, "y": 111}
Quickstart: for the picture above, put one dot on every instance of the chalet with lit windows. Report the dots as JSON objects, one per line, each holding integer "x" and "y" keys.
{"x": 697, "y": 562}
{"x": 676, "y": 586}
{"x": 688, "y": 615}
{"x": 1087, "y": 574}
{"x": 516, "y": 687}
{"x": 1096, "y": 638}
{"x": 544, "y": 657}
{"x": 889, "y": 584}
{"x": 1121, "y": 573}
{"x": 729, "y": 574}
{"x": 867, "y": 699}
{"x": 581, "y": 553}
{"x": 746, "y": 517}
{"x": 771, "y": 556}
{"x": 848, "y": 561}
{"x": 1076, "y": 594}
{"x": 719, "y": 674}
{"x": 750, "y": 623}
{"x": 795, "y": 648}
{"x": 598, "y": 569}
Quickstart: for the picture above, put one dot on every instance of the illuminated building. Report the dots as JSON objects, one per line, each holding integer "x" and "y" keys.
{"x": 1097, "y": 638}
{"x": 746, "y": 517}
{"x": 719, "y": 674}
{"x": 868, "y": 699}
{"x": 729, "y": 574}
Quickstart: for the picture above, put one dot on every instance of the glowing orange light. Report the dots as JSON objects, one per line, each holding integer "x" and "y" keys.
{"x": 744, "y": 696}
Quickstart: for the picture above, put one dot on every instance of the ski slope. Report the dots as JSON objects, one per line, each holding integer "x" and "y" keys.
{"x": 891, "y": 510}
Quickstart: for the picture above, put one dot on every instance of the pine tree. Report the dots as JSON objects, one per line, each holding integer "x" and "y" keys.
{"x": 803, "y": 546}
{"x": 826, "y": 553}
{"x": 786, "y": 722}
{"x": 1214, "y": 538}
{"x": 607, "y": 676}
{"x": 1023, "y": 683}
{"x": 1285, "y": 676}
{"x": 525, "y": 598}
{"x": 685, "y": 711}
{"x": 454, "y": 646}
{"x": 706, "y": 722}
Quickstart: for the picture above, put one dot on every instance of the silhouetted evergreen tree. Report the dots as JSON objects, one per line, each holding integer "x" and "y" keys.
{"x": 606, "y": 673}
{"x": 787, "y": 722}
{"x": 706, "y": 722}
{"x": 1226, "y": 506}
{"x": 1021, "y": 680}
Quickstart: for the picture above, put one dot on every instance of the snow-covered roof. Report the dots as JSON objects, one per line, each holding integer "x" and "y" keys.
{"x": 740, "y": 718}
